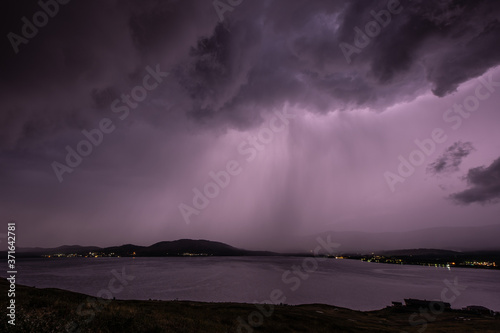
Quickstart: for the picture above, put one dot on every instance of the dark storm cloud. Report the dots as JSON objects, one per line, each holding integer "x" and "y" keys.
{"x": 223, "y": 75}
{"x": 264, "y": 54}
{"x": 88, "y": 53}
{"x": 484, "y": 185}
{"x": 293, "y": 55}
{"x": 451, "y": 159}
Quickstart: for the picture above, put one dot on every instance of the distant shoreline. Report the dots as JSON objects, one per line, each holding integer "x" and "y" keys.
{"x": 489, "y": 259}
{"x": 404, "y": 262}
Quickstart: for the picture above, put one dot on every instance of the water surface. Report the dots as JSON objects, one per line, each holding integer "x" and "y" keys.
{"x": 348, "y": 283}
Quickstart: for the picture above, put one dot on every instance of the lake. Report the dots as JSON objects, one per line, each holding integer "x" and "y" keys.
{"x": 347, "y": 283}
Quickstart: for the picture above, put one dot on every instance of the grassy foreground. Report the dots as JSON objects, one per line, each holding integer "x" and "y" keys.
{"x": 55, "y": 310}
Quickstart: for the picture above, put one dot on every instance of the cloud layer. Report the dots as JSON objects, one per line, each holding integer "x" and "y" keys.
{"x": 226, "y": 79}
{"x": 451, "y": 159}
{"x": 484, "y": 185}
{"x": 264, "y": 54}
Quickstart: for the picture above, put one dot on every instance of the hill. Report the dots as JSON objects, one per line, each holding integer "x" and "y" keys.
{"x": 181, "y": 247}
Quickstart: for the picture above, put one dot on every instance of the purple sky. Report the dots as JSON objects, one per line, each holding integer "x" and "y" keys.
{"x": 333, "y": 163}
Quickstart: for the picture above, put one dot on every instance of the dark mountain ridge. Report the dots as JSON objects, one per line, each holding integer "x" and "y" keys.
{"x": 181, "y": 247}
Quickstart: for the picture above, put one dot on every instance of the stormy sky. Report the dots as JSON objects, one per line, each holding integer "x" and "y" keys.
{"x": 247, "y": 122}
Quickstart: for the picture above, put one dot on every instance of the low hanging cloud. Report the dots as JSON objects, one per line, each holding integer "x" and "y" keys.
{"x": 234, "y": 71}
{"x": 484, "y": 185}
{"x": 451, "y": 159}
{"x": 264, "y": 55}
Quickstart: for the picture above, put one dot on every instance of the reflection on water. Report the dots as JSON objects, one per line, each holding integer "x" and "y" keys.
{"x": 347, "y": 283}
